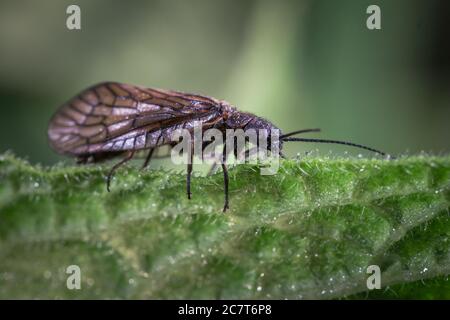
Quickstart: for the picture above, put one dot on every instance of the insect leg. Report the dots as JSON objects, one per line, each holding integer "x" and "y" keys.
{"x": 225, "y": 183}
{"x": 225, "y": 178}
{"x": 189, "y": 172}
{"x": 147, "y": 159}
{"x": 129, "y": 156}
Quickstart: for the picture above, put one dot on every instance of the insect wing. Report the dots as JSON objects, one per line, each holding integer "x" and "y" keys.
{"x": 118, "y": 117}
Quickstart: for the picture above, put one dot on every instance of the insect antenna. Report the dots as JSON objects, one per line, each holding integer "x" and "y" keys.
{"x": 336, "y": 142}
{"x": 299, "y": 131}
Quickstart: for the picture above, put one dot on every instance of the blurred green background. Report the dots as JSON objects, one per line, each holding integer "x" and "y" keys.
{"x": 300, "y": 64}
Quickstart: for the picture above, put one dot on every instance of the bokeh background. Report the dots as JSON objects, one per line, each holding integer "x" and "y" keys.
{"x": 301, "y": 64}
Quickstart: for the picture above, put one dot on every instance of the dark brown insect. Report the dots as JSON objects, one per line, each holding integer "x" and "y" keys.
{"x": 115, "y": 119}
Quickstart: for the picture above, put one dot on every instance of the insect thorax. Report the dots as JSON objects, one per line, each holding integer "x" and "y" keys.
{"x": 235, "y": 120}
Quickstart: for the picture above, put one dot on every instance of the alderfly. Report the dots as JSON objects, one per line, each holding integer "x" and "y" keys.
{"x": 115, "y": 119}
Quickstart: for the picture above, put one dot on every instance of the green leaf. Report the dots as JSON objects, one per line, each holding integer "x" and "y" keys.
{"x": 309, "y": 231}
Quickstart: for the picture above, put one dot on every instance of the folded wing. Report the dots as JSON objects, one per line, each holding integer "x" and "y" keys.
{"x": 111, "y": 117}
